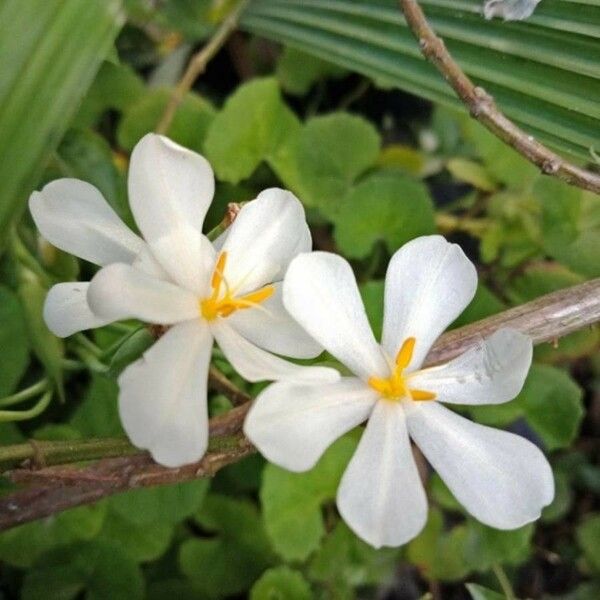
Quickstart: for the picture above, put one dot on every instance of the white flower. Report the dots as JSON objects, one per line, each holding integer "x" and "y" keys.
{"x": 509, "y": 10}
{"x": 501, "y": 479}
{"x": 229, "y": 291}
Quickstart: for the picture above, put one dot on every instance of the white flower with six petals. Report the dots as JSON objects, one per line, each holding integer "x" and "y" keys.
{"x": 501, "y": 479}
{"x": 229, "y": 291}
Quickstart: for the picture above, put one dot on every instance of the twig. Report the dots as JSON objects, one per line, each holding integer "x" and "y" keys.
{"x": 545, "y": 320}
{"x": 483, "y": 107}
{"x": 196, "y": 67}
{"x": 57, "y": 488}
{"x": 54, "y": 489}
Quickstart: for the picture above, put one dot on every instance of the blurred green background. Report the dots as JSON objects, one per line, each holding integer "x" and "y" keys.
{"x": 329, "y": 100}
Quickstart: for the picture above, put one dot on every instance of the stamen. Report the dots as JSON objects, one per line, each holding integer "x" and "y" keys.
{"x": 395, "y": 387}
{"x": 258, "y": 296}
{"x": 382, "y": 386}
{"x": 422, "y": 395}
{"x": 213, "y": 307}
{"x": 217, "y": 276}
{"x": 405, "y": 354}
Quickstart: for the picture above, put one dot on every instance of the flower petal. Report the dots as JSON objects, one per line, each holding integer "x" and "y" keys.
{"x": 320, "y": 292}
{"x": 66, "y": 309}
{"x": 170, "y": 190}
{"x": 162, "y": 398}
{"x": 293, "y": 424}
{"x": 490, "y": 373}
{"x": 381, "y": 497}
{"x": 169, "y": 185}
{"x": 255, "y": 364}
{"x": 429, "y": 282}
{"x": 146, "y": 263}
{"x": 73, "y": 216}
{"x": 265, "y": 236}
{"x": 502, "y": 479}
{"x": 272, "y": 328}
{"x": 122, "y": 292}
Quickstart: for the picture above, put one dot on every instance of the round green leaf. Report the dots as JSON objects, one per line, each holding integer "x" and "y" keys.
{"x": 281, "y": 583}
{"x": 390, "y": 207}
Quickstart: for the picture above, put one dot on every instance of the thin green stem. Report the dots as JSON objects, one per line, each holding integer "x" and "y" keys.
{"x": 90, "y": 360}
{"x": 504, "y": 581}
{"x": 23, "y": 415}
{"x": 26, "y": 394}
{"x": 88, "y": 344}
{"x": 24, "y": 256}
{"x": 108, "y": 352}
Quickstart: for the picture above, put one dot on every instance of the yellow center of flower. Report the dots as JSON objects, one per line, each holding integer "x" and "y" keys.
{"x": 223, "y": 305}
{"x": 397, "y": 386}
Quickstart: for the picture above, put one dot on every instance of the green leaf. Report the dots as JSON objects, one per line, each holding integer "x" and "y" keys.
{"x": 141, "y": 543}
{"x": 442, "y": 495}
{"x": 471, "y": 172}
{"x": 172, "y": 588}
{"x": 514, "y": 233}
{"x": 563, "y": 498}
{"x": 116, "y": 86}
{"x": 501, "y": 162}
{"x": 331, "y": 152}
{"x": 250, "y": 128}
{"x": 544, "y": 73}
{"x": 292, "y": 501}
{"x": 234, "y": 558}
{"x": 48, "y": 348}
{"x": 478, "y": 592}
{"x": 588, "y": 538}
{"x": 190, "y": 17}
{"x": 570, "y": 225}
{"x": 86, "y": 155}
{"x": 485, "y": 546}
{"x": 97, "y": 570}
{"x": 21, "y": 546}
{"x": 439, "y": 554}
{"x": 60, "y": 45}
{"x": 344, "y": 560}
{"x": 130, "y": 350}
{"x": 281, "y": 583}
{"x": 13, "y": 341}
{"x": 188, "y": 128}
{"x": 297, "y": 71}
{"x": 372, "y": 297}
{"x": 551, "y": 403}
{"x": 390, "y": 207}
{"x": 97, "y": 415}
{"x": 167, "y": 504}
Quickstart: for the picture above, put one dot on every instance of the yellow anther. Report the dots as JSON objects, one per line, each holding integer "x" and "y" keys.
{"x": 217, "y": 277}
{"x": 405, "y": 353}
{"x": 215, "y": 306}
{"x": 422, "y": 395}
{"x": 396, "y": 387}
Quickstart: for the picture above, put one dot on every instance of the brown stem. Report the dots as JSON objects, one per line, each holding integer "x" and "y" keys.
{"x": 53, "y": 489}
{"x": 483, "y": 107}
{"x": 197, "y": 66}
{"x": 545, "y": 320}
